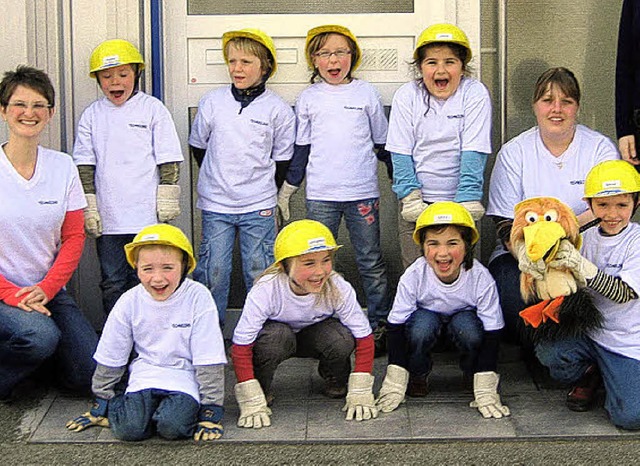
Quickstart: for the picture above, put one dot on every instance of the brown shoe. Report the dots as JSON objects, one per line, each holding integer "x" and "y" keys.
{"x": 333, "y": 389}
{"x": 582, "y": 396}
{"x": 380, "y": 340}
{"x": 418, "y": 386}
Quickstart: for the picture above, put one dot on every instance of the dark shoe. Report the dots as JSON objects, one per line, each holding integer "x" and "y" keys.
{"x": 380, "y": 340}
{"x": 269, "y": 397}
{"x": 418, "y": 386}
{"x": 334, "y": 389}
{"x": 582, "y": 396}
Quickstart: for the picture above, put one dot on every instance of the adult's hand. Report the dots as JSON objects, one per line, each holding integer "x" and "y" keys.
{"x": 34, "y": 299}
{"x": 628, "y": 150}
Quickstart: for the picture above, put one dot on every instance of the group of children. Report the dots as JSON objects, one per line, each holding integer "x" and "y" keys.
{"x": 254, "y": 153}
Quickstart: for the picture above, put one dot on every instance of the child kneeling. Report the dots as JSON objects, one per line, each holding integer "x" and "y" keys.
{"x": 176, "y": 381}
{"x": 445, "y": 289}
{"x": 300, "y": 307}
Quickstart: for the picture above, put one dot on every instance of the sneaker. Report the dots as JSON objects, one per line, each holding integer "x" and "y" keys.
{"x": 582, "y": 396}
{"x": 418, "y": 386}
{"x": 380, "y": 340}
{"x": 334, "y": 389}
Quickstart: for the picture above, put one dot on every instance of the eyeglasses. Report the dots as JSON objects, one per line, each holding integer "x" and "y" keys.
{"x": 35, "y": 106}
{"x": 325, "y": 55}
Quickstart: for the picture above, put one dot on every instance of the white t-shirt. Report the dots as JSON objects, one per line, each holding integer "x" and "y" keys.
{"x": 420, "y": 288}
{"x": 524, "y": 168}
{"x": 435, "y": 132}
{"x": 341, "y": 123}
{"x": 170, "y": 337}
{"x": 271, "y": 298}
{"x": 238, "y": 172}
{"x": 618, "y": 256}
{"x": 126, "y": 143}
{"x": 32, "y": 213}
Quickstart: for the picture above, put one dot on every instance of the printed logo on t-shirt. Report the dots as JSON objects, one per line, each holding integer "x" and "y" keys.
{"x": 185, "y": 325}
{"x": 48, "y": 202}
{"x": 576, "y": 182}
{"x": 138, "y": 125}
{"x": 258, "y": 122}
{"x": 352, "y": 107}
{"x": 457, "y": 115}
{"x": 613, "y": 266}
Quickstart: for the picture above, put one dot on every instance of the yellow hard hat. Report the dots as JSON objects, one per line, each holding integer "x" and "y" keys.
{"x": 445, "y": 213}
{"x": 610, "y": 178}
{"x": 443, "y": 32}
{"x": 303, "y": 237}
{"x": 163, "y": 234}
{"x": 114, "y": 52}
{"x": 253, "y": 34}
{"x": 337, "y": 29}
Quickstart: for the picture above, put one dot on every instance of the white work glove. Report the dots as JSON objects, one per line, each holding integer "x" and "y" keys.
{"x": 568, "y": 256}
{"x": 254, "y": 411}
{"x": 168, "y": 202}
{"x": 284, "y": 195}
{"x": 526, "y": 265}
{"x": 360, "y": 403}
{"x": 393, "y": 389}
{"x": 412, "y": 206}
{"x": 487, "y": 400}
{"x": 92, "y": 220}
{"x": 475, "y": 208}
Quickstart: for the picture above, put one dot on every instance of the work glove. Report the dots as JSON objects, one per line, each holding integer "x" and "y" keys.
{"x": 284, "y": 195}
{"x": 209, "y": 427}
{"x": 526, "y": 265}
{"x": 568, "y": 256}
{"x": 168, "y": 202}
{"x": 96, "y": 416}
{"x": 412, "y": 206}
{"x": 475, "y": 208}
{"x": 360, "y": 403}
{"x": 254, "y": 411}
{"x": 487, "y": 400}
{"x": 92, "y": 220}
{"x": 394, "y": 386}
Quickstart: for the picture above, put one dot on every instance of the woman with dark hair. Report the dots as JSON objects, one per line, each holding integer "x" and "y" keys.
{"x": 42, "y": 240}
{"x": 550, "y": 159}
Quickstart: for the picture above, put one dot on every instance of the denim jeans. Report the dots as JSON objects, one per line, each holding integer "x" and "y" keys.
{"x": 362, "y": 219}
{"x": 506, "y": 273}
{"x": 117, "y": 275}
{"x": 568, "y": 360}
{"x": 423, "y": 330}
{"x": 27, "y": 339}
{"x": 328, "y": 341}
{"x": 139, "y": 415}
{"x": 256, "y": 232}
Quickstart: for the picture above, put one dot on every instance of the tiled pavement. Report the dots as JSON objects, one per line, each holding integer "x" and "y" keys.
{"x": 302, "y": 415}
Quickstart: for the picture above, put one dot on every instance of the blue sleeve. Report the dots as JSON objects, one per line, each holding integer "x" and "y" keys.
{"x": 471, "y": 176}
{"x": 298, "y": 166}
{"x": 404, "y": 175}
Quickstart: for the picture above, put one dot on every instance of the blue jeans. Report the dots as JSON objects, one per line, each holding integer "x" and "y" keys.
{"x": 568, "y": 360}
{"x": 506, "y": 273}
{"x": 139, "y": 415}
{"x": 423, "y": 330}
{"x": 27, "y": 339}
{"x": 362, "y": 219}
{"x": 117, "y": 275}
{"x": 257, "y": 233}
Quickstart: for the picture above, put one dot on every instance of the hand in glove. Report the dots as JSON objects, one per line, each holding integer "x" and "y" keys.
{"x": 92, "y": 220}
{"x": 526, "y": 265}
{"x": 487, "y": 400}
{"x": 475, "y": 208}
{"x": 97, "y": 416}
{"x": 253, "y": 405}
{"x": 568, "y": 256}
{"x": 393, "y": 388}
{"x": 412, "y": 206}
{"x": 360, "y": 403}
{"x": 168, "y": 202}
{"x": 209, "y": 427}
{"x": 284, "y": 195}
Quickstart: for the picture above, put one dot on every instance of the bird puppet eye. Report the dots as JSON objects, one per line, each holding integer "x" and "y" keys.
{"x": 531, "y": 217}
{"x": 551, "y": 215}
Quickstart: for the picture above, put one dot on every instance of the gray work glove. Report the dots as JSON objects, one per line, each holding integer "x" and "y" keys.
{"x": 487, "y": 400}
{"x": 284, "y": 195}
{"x": 168, "y": 202}
{"x": 526, "y": 265}
{"x": 412, "y": 206}
{"x": 254, "y": 411}
{"x": 568, "y": 256}
{"x": 92, "y": 220}
{"x": 360, "y": 403}
{"x": 475, "y": 208}
{"x": 393, "y": 388}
